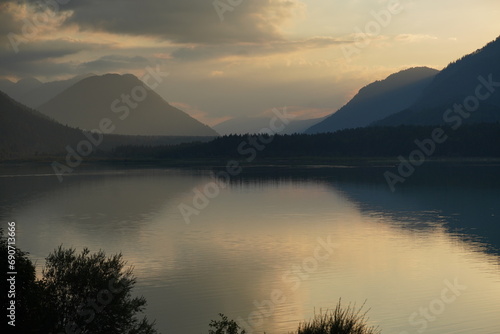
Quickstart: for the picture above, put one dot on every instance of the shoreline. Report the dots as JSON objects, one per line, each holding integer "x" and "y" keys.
{"x": 305, "y": 162}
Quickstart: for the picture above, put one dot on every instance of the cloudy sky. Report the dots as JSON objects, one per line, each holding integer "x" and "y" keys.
{"x": 227, "y": 58}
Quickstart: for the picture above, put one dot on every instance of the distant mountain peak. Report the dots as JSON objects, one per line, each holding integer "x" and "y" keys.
{"x": 25, "y": 132}
{"x": 250, "y": 125}
{"x": 29, "y": 81}
{"x": 451, "y": 86}
{"x": 378, "y": 100}
{"x": 412, "y": 73}
{"x": 116, "y": 97}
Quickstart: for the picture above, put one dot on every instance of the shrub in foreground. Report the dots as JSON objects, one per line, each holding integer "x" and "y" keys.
{"x": 224, "y": 326}
{"x": 92, "y": 293}
{"x": 77, "y": 293}
{"x": 339, "y": 321}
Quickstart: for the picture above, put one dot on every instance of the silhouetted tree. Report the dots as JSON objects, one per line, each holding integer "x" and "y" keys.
{"x": 224, "y": 326}
{"x": 26, "y": 292}
{"x": 91, "y": 293}
{"x": 78, "y": 293}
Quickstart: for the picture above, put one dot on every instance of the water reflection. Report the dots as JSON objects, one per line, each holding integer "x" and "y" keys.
{"x": 395, "y": 250}
{"x": 94, "y": 208}
{"x": 464, "y": 198}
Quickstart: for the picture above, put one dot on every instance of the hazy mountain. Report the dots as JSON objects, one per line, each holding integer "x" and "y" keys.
{"x": 453, "y": 85}
{"x": 46, "y": 91}
{"x": 379, "y": 100}
{"x": 18, "y": 89}
{"x": 5, "y": 85}
{"x": 123, "y": 99}
{"x": 249, "y": 125}
{"x": 33, "y": 93}
{"x": 25, "y": 132}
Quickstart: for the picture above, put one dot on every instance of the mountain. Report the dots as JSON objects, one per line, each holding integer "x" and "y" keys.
{"x": 456, "y": 84}
{"x": 123, "y": 99}
{"x": 6, "y": 84}
{"x": 46, "y": 91}
{"x": 25, "y": 132}
{"x": 33, "y": 93}
{"x": 250, "y": 125}
{"x": 379, "y": 100}
{"x": 21, "y": 87}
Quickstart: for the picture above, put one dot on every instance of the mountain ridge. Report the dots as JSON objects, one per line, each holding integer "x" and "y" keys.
{"x": 25, "y": 133}
{"x": 453, "y": 86}
{"x": 252, "y": 125}
{"x": 378, "y": 100}
{"x": 125, "y": 100}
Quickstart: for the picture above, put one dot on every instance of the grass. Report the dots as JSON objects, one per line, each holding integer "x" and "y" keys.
{"x": 341, "y": 320}
{"x": 338, "y": 321}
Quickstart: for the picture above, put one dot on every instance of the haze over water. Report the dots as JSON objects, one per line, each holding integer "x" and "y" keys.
{"x": 315, "y": 235}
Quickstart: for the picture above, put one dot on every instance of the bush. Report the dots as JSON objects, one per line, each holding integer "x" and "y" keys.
{"x": 78, "y": 293}
{"x": 224, "y": 326}
{"x": 339, "y": 321}
{"x": 28, "y": 291}
{"x": 91, "y": 293}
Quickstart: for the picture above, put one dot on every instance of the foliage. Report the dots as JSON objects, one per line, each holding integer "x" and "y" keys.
{"x": 28, "y": 292}
{"x": 469, "y": 140}
{"x": 92, "y": 292}
{"x": 339, "y": 321}
{"x": 78, "y": 293}
{"x": 225, "y": 326}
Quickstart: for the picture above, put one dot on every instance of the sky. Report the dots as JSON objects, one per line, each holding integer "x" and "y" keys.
{"x": 230, "y": 58}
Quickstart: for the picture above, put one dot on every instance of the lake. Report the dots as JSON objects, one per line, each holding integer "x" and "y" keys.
{"x": 275, "y": 245}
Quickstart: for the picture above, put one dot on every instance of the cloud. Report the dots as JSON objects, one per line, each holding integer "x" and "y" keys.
{"x": 217, "y": 73}
{"x": 51, "y": 49}
{"x": 247, "y": 50}
{"x": 199, "y": 114}
{"x": 111, "y": 63}
{"x": 8, "y": 23}
{"x": 410, "y": 38}
{"x": 187, "y": 21}
{"x": 301, "y": 112}
{"x": 30, "y": 19}
{"x": 182, "y": 22}
{"x": 40, "y": 57}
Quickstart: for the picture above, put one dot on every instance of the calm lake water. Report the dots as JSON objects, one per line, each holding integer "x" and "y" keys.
{"x": 276, "y": 245}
